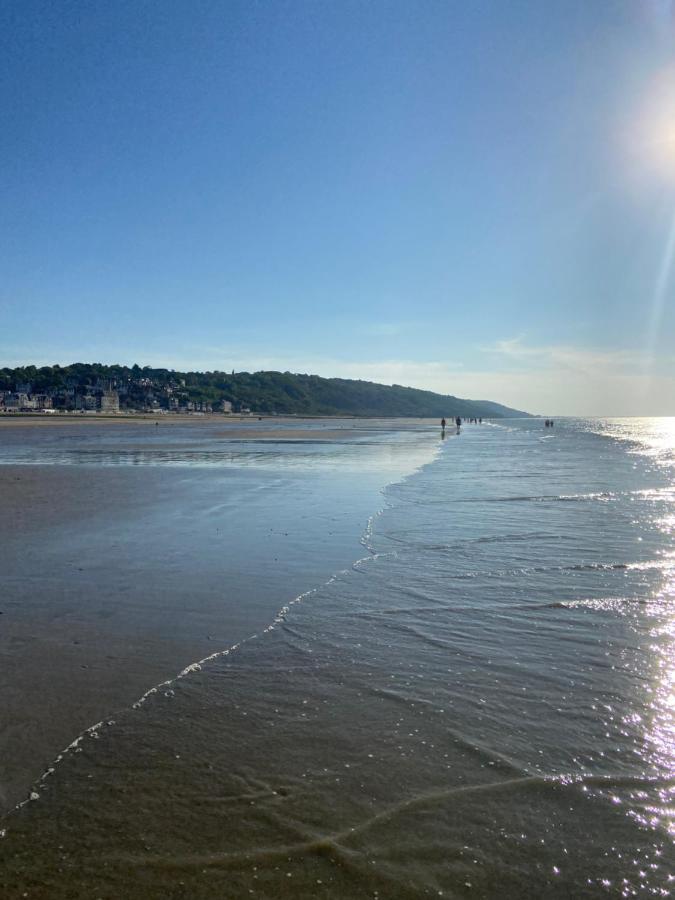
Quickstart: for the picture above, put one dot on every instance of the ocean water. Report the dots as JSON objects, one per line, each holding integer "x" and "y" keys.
{"x": 481, "y": 705}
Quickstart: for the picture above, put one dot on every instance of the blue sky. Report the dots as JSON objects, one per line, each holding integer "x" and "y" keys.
{"x": 476, "y": 198}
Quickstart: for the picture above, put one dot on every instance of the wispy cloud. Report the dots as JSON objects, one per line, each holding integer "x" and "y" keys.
{"x": 564, "y": 356}
{"x": 564, "y": 379}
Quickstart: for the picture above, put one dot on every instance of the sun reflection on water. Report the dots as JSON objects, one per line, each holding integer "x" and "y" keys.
{"x": 653, "y": 437}
{"x": 660, "y": 732}
{"x": 652, "y": 804}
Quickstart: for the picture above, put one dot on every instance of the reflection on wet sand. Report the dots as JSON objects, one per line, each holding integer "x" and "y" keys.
{"x": 126, "y": 559}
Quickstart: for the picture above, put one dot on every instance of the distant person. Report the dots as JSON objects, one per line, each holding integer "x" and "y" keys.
{"x": 458, "y": 423}
{"x": 442, "y": 424}
{"x": 480, "y": 420}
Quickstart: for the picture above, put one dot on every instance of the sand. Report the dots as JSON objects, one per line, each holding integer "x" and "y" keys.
{"x": 115, "y": 577}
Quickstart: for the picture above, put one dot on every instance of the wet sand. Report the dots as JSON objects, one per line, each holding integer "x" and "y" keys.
{"x": 30, "y": 419}
{"x": 278, "y": 434}
{"x": 235, "y": 428}
{"x": 115, "y": 577}
{"x": 106, "y": 591}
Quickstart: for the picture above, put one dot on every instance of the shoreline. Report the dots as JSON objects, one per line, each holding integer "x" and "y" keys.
{"x": 117, "y": 577}
{"x": 177, "y": 418}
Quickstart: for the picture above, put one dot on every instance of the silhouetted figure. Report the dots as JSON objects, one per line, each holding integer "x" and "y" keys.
{"x": 480, "y": 420}
{"x": 443, "y": 424}
{"x": 458, "y": 423}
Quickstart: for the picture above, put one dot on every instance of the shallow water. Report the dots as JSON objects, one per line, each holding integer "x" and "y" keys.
{"x": 482, "y": 705}
{"x": 115, "y": 575}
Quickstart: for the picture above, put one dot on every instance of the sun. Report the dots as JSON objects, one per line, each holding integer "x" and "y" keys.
{"x": 653, "y": 130}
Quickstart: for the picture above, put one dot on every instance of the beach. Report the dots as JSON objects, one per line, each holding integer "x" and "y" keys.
{"x": 131, "y": 551}
{"x": 460, "y": 681}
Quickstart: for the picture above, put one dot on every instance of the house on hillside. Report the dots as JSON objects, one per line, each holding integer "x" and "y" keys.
{"x": 19, "y": 400}
{"x": 86, "y": 402}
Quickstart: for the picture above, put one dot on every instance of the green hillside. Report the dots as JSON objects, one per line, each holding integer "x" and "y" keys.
{"x": 262, "y": 392}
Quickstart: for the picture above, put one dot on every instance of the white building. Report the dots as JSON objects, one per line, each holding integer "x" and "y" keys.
{"x": 109, "y": 402}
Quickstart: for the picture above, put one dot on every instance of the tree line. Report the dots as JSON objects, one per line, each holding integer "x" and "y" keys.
{"x": 283, "y": 393}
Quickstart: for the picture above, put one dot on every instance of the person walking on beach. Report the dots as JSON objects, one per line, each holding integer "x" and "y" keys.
{"x": 443, "y": 424}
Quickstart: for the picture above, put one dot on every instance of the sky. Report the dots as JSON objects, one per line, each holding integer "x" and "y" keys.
{"x": 474, "y": 198}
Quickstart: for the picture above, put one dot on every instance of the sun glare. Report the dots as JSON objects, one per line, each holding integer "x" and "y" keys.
{"x": 654, "y": 128}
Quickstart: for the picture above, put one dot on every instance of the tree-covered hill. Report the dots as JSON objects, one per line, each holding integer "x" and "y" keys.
{"x": 263, "y": 392}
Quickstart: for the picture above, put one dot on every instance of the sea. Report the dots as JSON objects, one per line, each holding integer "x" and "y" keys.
{"x": 480, "y": 702}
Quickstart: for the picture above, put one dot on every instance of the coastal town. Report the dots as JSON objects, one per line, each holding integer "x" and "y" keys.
{"x": 110, "y": 396}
